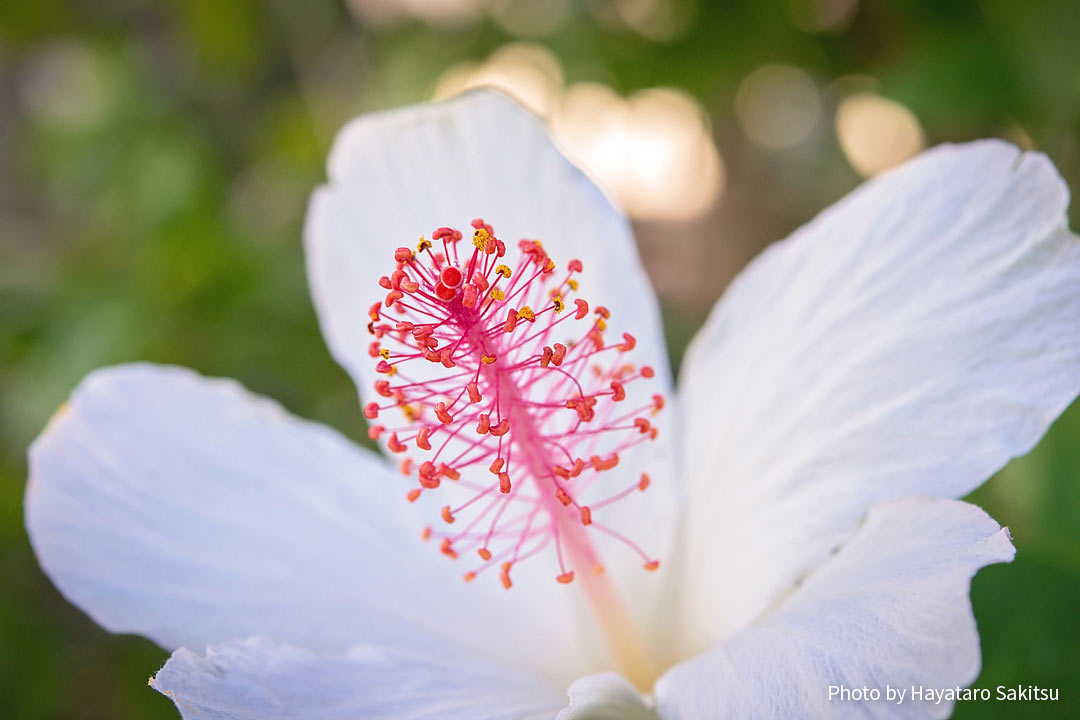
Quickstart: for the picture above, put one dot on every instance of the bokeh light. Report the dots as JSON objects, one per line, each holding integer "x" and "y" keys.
{"x": 531, "y": 73}
{"x": 876, "y": 133}
{"x": 654, "y": 151}
{"x": 777, "y": 106}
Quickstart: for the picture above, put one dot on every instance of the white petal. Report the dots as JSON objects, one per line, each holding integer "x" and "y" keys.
{"x": 606, "y": 696}
{"x": 910, "y": 340}
{"x": 891, "y": 608}
{"x": 261, "y": 680}
{"x": 397, "y": 175}
{"x": 189, "y": 511}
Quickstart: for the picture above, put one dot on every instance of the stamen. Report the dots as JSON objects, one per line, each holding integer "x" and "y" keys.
{"x": 510, "y": 389}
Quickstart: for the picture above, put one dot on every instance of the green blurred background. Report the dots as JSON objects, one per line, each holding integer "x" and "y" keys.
{"x": 156, "y": 157}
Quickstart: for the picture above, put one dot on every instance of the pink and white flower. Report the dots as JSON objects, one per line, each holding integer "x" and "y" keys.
{"x": 855, "y": 379}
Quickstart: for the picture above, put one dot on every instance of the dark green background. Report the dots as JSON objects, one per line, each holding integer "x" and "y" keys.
{"x": 166, "y": 227}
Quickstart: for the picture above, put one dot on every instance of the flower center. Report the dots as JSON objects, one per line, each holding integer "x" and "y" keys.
{"x": 524, "y": 423}
{"x": 506, "y": 383}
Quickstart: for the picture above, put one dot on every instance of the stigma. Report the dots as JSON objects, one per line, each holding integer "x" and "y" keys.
{"x": 502, "y": 387}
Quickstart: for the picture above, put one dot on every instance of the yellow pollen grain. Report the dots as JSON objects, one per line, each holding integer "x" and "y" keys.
{"x": 487, "y": 359}
{"x": 423, "y": 245}
{"x": 497, "y": 294}
{"x": 558, "y": 303}
{"x": 385, "y": 353}
{"x": 526, "y": 313}
{"x": 572, "y": 283}
{"x": 480, "y": 238}
{"x": 411, "y": 414}
{"x": 503, "y": 270}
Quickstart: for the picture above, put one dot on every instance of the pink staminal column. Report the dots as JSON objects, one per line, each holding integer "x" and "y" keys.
{"x": 501, "y": 379}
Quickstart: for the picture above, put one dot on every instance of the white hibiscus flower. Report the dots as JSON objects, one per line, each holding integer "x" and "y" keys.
{"x": 885, "y": 359}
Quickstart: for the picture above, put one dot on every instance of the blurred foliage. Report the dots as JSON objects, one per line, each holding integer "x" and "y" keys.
{"x": 155, "y": 160}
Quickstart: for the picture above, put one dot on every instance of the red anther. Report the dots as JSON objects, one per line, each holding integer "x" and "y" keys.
{"x": 658, "y": 402}
{"x": 603, "y": 312}
{"x": 429, "y": 475}
{"x": 561, "y": 472}
{"x": 383, "y": 388}
{"x": 410, "y": 286}
{"x": 504, "y": 483}
{"x": 586, "y": 515}
{"x": 403, "y": 254}
{"x": 427, "y": 532}
{"x": 643, "y": 482}
{"x": 574, "y": 265}
{"x": 647, "y": 372}
{"x": 373, "y": 311}
{"x": 469, "y": 296}
{"x": 411, "y": 496}
{"x": 396, "y": 445}
{"x": 500, "y": 248}
{"x": 504, "y": 576}
{"x": 469, "y": 576}
{"x": 483, "y": 424}
{"x": 501, "y": 429}
{"x": 643, "y": 425}
{"x": 562, "y": 497}
{"x": 651, "y": 565}
{"x": 384, "y": 367}
{"x": 558, "y": 355}
{"x": 374, "y": 348}
{"x": 444, "y": 292}
{"x": 545, "y": 357}
{"x": 496, "y": 465}
{"x": 628, "y": 342}
{"x": 582, "y": 309}
{"x": 444, "y": 232}
{"x": 445, "y": 359}
{"x": 422, "y": 436}
{"x": 653, "y": 433}
{"x": 447, "y": 516}
{"x": 566, "y": 577}
{"x": 396, "y": 277}
{"x": 446, "y": 548}
{"x": 484, "y": 554}
{"x": 479, "y": 223}
{"x": 404, "y": 327}
{"x": 480, "y": 280}
{"x": 596, "y": 338}
{"x": 618, "y": 391}
{"x": 371, "y": 411}
{"x": 579, "y": 465}
{"x": 375, "y": 431}
{"x": 449, "y": 472}
{"x": 429, "y": 354}
{"x": 474, "y": 392}
{"x": 440, "y": 412}
{"x": 405, "y": 468}
{"x": 384, "y": 282}
{"x": 450, "y": 276}
{"x": 392, "y": 297}
{"x": 604, "y": 464}
{"x": 511, "y": 321}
